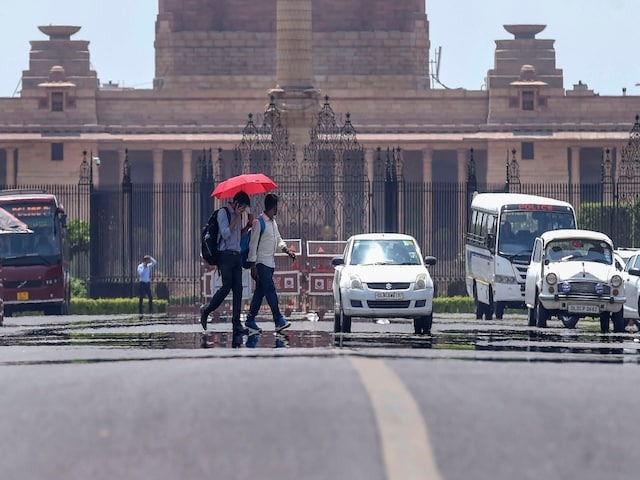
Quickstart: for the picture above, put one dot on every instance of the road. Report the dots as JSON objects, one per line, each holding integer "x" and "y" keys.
{"x": 116, "y": 397}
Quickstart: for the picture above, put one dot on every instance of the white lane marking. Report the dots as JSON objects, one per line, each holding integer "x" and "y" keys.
{"x": 406, "y": 449}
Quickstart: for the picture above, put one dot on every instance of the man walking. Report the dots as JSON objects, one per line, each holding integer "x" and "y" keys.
{"x": 144, "y": 278}
{"x": 262, "y": 249}
{"x": 229, "y": 221}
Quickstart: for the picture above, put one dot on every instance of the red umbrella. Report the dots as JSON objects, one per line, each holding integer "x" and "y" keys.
{"x": 251, "y": 183}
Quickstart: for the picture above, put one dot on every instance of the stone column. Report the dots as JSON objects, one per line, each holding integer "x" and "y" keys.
{"x": 294, "y": 93}
{"x": 12, "y": 154}
{"x": 159, "y": 191}
{"x": 427, "y": 178}
{"x": 190, "y": 223}
{"x": 293, "y": 44}
{"x": 462, "y": 154}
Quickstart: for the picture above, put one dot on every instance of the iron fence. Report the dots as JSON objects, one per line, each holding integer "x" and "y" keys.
{"x": 127, "y": 221}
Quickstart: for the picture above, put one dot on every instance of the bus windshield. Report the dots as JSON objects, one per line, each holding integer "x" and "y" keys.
{"x": 517, "y": 230}
{"x": 40, "y": 247}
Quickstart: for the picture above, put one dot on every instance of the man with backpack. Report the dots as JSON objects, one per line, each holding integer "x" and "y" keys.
{"x": 229, "y": 265}
{"x": 264, "y": 244}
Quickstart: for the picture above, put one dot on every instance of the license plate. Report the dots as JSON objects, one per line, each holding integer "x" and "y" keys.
{"x": 23, "y": 296}
{"x": 584, "y": 309}
{"x": 389, "y": 295}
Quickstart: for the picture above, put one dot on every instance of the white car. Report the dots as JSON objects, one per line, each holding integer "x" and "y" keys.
{"x": 383, "y": 275}
{"x": 631, "y": 277}
{"x": 572, "y": 274}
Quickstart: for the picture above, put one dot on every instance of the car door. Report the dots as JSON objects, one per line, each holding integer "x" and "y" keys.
{"x": 631, "y": 287}
{"x": 533, "y": 273}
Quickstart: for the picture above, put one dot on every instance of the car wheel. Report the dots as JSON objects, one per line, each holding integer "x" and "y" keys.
{"x": 542, "y": 314}
{"x": 422, "y": 325}
{"x": 346, "y": 323}
{"x": 569, "y": 321}
{"x": 500, "y": 310}
{"x": 604, "y": 322}
{"x": 531, "y": 317}
{"x": 618, "y": 321}
{"x": 337, "y": 324}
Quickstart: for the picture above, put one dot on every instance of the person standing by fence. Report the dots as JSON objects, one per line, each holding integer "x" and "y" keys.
{"x": 144, "y": 277}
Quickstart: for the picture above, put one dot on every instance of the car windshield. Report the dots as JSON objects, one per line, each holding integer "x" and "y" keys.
{"x": 384, "y": 252}
{"x": 579, "y": 249}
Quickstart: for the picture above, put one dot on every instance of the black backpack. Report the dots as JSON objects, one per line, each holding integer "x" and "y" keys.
{"x": 209, "y": 237}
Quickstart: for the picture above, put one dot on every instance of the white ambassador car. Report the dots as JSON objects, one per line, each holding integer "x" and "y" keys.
{"x": 572, "y": 274}
{"x": 383, "y": 275}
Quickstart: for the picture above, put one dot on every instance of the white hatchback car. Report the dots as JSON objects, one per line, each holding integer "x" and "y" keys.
{"x": 383, "y": 275}
{"x": 572, "y": 274}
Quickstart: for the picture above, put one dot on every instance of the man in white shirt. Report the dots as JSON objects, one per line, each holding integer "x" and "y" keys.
{"x": 262, "y": 249}
{"x": 144, "y": 276}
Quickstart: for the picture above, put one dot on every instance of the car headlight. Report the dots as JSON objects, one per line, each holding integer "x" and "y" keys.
{"x": 616, "y": 281}
{"x": 421, "y": 282}
{"x": 354, "y": 282}
{"x": 551, "y": 278}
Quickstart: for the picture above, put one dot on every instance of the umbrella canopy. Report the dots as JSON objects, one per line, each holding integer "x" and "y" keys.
{"x": 251, "y": 183}
{"x": 10, "y": 224}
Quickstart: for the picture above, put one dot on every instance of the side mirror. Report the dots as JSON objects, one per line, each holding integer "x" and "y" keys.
{"x": 634, "y": 271}
{"x": 335, "y": 261}
{"x": 491, "y": 241}
{"x": 430, "y": 260}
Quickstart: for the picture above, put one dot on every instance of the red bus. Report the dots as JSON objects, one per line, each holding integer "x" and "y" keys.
{"x": 35, "y": 267}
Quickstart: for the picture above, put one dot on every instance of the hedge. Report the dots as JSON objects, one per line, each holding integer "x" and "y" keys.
{"x": 113, "y": 306}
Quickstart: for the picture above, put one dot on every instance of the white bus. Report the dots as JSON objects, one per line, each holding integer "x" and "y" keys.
{"x": 498, "y": 244}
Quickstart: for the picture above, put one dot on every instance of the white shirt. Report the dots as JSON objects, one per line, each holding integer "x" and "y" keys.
{"x": 262, "y": 249}
{"x": 144, "y": 271}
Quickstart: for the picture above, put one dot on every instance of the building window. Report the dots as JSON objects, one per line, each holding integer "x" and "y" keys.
{"x": 57, "y": 152}
{"x": 527, "y": 151}
{"x": 57, "y": 101}
{"x": 528, "y": 99}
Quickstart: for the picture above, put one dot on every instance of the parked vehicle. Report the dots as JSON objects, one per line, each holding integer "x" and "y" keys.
{"x": 631, "y": 276}
{"x": 622, "y": 255}
{"x": 572, "y": 275}
{"x": 35, "y": 267}
{"x": 383, "y": 275}
{"x": 498, "y": 244}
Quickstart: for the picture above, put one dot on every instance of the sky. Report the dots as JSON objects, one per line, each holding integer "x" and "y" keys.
{"x": 595, "y": 40}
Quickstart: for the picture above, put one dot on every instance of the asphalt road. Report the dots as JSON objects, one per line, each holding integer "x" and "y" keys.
{"x": 106, "y": 398}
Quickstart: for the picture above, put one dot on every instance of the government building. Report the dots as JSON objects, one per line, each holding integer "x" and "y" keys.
{"x": 217, "y": 61}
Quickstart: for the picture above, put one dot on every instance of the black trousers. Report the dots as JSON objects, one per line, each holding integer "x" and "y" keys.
{"x": 230, "y": 267}
{"x": 145, "y": 291}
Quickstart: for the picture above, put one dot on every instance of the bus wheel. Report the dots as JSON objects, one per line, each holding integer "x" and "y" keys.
{"x": 499, "y": 310}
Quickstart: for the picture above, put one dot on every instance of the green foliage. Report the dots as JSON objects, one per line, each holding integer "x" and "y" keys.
{"x": 78, "y": 288}
{"x": 457, "y": 304}
{"x": 619, "y": 221}
{"x": 112, "y": 306}
{"x": 78, "y": 233}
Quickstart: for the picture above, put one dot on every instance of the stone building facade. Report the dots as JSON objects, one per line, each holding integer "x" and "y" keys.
{"x": 219, "y": 60}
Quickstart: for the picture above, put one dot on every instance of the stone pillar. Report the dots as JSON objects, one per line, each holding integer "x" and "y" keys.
{"x": 294, "y": 94}
{"x": 157, "y": 166}
{"x": 187, "y": 165}
{"x": 427, "y": 177}
{"x": 462, "y": 154}
{"x": 12, "y": 155}
{"x": 293, "y": 44}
